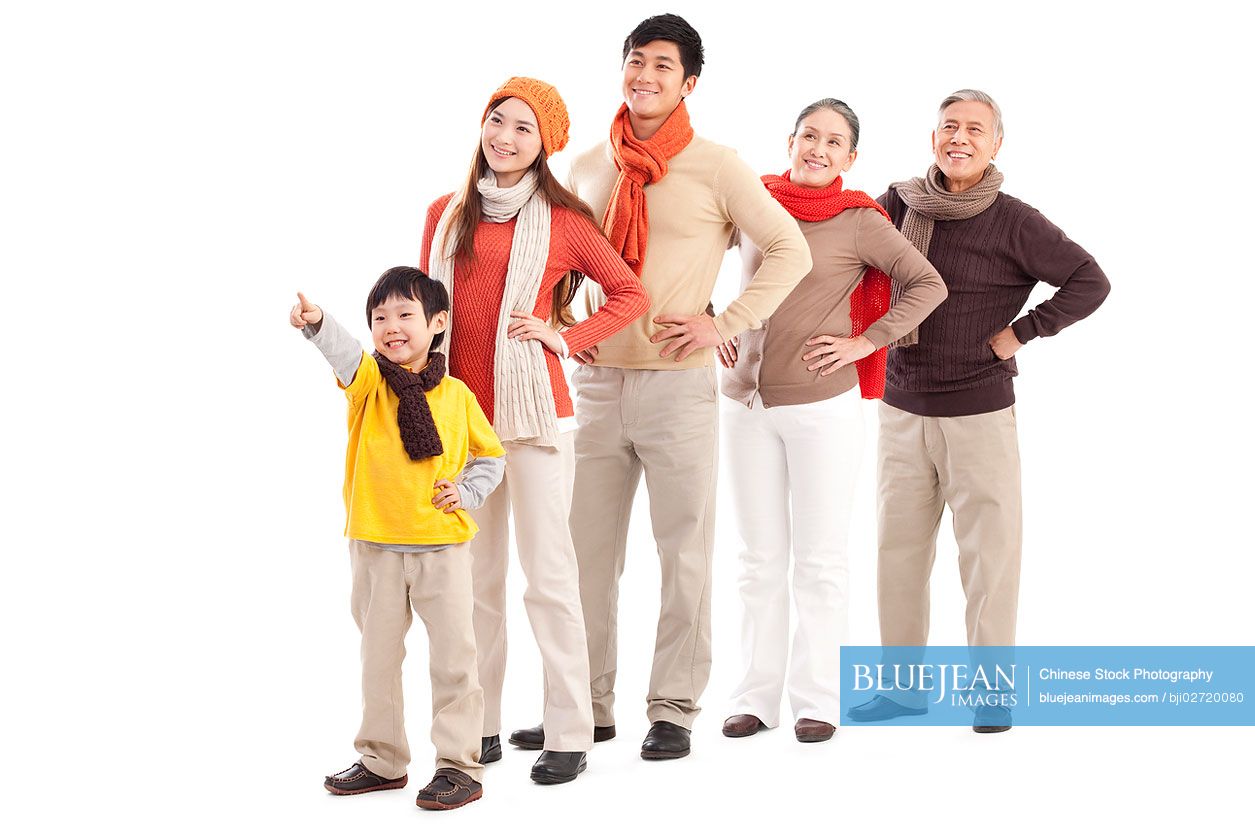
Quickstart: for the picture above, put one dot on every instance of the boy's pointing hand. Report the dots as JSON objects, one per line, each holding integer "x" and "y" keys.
{"x": 304, "y": 312}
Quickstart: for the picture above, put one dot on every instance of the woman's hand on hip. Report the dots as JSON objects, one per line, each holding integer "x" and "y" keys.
{"x": 524, "y": 326}
{"x": 727, "y": 352}
{"x": 835, "y": 352}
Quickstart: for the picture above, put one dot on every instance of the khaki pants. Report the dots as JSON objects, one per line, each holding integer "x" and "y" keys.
{"x": 438, "y": 586}
{"x": 537, "y": 487}
{"x": 664, "y": 423}
{"x": 971, "y": 463}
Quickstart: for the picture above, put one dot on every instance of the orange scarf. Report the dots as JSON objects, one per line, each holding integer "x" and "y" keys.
{"x": 870, "y": 299}
{"x": 640, "y": 162}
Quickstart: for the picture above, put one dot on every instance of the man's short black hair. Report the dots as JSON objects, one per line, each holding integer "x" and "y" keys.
{"x": 410, "y": 283}
{"x": 672, "y": 28}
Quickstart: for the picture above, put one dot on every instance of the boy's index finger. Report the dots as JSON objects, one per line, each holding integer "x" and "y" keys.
{"x": 305, "y": 303}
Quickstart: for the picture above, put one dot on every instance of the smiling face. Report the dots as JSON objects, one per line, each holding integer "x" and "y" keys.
{"x": 401, "y": 331}
{"x": 510, "y": 140}
{"x": 654, "y": 85}
{"x": 820, "y": 149}
{"x": 964, "y": 143}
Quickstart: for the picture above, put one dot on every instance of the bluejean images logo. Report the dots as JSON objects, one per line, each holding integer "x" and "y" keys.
{"x": 1049, "y": 686}
{"x": 967, "y": 686}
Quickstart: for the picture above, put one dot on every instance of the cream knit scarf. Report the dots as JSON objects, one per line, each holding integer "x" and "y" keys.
{"x": 927, "y": 201}
{"x": 523, "y": 406}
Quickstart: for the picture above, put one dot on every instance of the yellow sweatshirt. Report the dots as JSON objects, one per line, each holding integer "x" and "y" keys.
{"x": 386, "y": 493}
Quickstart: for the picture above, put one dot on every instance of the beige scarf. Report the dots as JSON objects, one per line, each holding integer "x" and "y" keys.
{"x": 927, "y": 201}
{"x": 524, "y": 409}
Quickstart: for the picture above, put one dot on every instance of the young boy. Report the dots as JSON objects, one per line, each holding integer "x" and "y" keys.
{"x": 411, "y": 429}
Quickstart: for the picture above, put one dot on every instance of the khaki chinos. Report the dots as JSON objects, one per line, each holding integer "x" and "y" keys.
{"x": 438, "y": 587}
{"x": 663, "y": 424}
{"x": 972, "y": 464}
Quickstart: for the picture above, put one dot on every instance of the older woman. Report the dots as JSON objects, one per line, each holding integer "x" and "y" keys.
{"x": 794, "y": 424}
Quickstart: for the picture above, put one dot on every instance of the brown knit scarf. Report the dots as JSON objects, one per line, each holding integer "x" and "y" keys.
{"x": 418, "y": 429}
{"x": 927, "y": 201}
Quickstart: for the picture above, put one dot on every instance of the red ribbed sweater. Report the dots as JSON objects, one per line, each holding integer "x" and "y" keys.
{"x": 478, "y": 288}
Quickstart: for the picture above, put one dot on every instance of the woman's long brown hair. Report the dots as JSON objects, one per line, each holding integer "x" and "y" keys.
{"x": 466, "y": 218}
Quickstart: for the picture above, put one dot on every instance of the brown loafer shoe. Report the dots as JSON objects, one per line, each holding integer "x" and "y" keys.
{"x": 358, "y": 779}
{"x": 449, "y": 789}
{"x": 813, "y": 731}
{"x": 742, "y": 725}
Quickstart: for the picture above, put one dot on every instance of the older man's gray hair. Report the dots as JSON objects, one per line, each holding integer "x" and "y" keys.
{"x": 974, "y": 96}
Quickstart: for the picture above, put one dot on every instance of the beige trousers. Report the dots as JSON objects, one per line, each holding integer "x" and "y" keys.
{"x": 537, "y": 487}
{"x": 438, "y": 586}
{"x": 972, "y": 464}
{"x": 665, "y": 424}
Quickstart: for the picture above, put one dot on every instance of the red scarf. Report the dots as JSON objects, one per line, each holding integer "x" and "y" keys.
{"x": 870, "y": 298}
{"x": 640, "y": 162}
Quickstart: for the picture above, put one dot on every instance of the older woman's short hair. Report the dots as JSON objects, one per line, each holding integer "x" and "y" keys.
{"x": 974, "y": 96}
{"x": 836, "y": 106}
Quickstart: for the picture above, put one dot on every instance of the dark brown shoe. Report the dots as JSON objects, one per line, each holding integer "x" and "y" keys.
{"x": 813, "y": 731}
{"x": 534, "y": 738}
{"x": 742, "y": 725}
{"x": 449, "y": 789}
{"x": 665, "y": 741}
{"x": 358, "y": 779}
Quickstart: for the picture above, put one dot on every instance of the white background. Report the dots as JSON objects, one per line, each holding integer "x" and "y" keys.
{"x": 178, "y": 654}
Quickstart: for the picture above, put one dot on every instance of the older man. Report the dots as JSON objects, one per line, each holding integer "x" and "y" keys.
{"x": 947, "y": 422}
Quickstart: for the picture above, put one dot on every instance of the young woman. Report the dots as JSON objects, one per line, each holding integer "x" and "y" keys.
{"x": 511, "y": 245}
{"x": 794, "y": 425}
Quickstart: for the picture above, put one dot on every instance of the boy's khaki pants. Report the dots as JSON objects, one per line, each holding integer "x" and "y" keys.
{"x": 666, "y": 424}
{"x": 438, "y": 587}
{"x": 537, "y": 488}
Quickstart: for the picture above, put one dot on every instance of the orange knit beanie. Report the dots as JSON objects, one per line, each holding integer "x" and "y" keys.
{"x": 545, "y": 102}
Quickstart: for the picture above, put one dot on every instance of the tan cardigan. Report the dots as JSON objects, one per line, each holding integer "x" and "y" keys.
{"x": 769, "y": 359}
{"x": 707, "y": 193}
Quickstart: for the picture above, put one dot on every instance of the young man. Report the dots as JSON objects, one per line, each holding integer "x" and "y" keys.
{"x": 646, "y": 397}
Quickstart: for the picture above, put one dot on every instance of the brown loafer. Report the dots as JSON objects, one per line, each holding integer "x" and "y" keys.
{"x": 358, "y": 779}
{"x": 813, "y": 731}
{"x": 742, "y": 725}
{"x": 449, "y": 789}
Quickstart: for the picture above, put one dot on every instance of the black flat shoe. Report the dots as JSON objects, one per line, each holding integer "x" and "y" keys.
{"x": 558, "y": 767}
{"x": 490, "y": 749}
{"x": 665, "y": 741}
{"x": 534, "y": 738}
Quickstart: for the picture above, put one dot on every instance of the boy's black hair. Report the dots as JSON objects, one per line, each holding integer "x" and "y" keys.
{"x": 410, "y": 283}
{"x": 671, "y": 28}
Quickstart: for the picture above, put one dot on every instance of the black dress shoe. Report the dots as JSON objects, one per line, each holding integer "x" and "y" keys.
{"x": 358, "y": 779}
{"x": 665, "y": 741}
{"x": 558, "y": 767}
{"x": 490, "y": 749}
{"x": 534, "y": 738}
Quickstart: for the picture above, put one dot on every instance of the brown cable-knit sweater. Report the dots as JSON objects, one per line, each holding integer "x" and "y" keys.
{"x": 990, "y": 264}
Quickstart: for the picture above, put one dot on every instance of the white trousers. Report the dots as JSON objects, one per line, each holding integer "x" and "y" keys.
{"x": 793, "y": 472}
{"x": 537, "y": 487}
